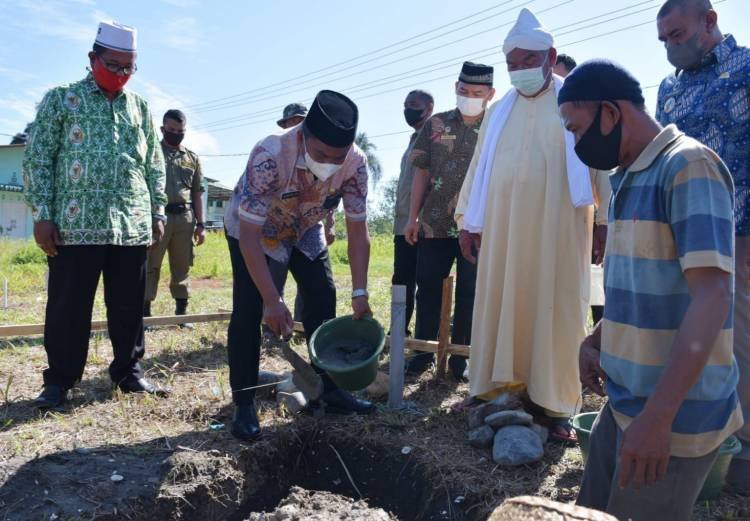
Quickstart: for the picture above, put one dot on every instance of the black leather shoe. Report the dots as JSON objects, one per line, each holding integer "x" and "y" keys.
{"x": 457, "y": 365}
{"x": 339, "y": 401}
{"x": 52, "y": 396}
{"x": 420, "y": 363}
{"x": 141, "y": 385}
{"x": 181, "y": 305}
{"x": 245, "y": 424}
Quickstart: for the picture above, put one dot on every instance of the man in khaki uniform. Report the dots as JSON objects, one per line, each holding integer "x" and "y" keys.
{"x": 184, "y": 215}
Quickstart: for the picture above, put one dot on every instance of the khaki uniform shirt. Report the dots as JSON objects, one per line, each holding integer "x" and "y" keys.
{"x": 184, "y": 174}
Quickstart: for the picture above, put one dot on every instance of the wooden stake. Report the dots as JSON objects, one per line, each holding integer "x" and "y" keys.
{"x": 445, "y": 326}
{"x": 398, "y": 332}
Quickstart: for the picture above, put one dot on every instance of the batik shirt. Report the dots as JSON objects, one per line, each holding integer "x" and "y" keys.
{"x": 444, "y": 149}
{"x": 93, "y": 167}
{"x": 712, "y": 105}
{"x": 279, "y": 193}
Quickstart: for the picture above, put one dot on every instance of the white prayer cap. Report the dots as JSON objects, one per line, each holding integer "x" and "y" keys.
{"x": 529, "y": 34}
{"x": 117, "y": 37}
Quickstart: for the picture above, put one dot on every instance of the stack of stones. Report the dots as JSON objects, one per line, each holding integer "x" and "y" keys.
{"x": 508, "y": 430}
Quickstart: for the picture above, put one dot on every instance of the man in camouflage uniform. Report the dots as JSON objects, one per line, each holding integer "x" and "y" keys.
{"x": 94, "y": 176}
{"x": 184, "y": 216}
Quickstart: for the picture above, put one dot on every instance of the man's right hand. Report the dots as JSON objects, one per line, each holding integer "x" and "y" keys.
{"x": 469, "y": 243}
{"x": 592, "y": 374}
{"x": 411, "y": 232}
{"x": 47, "y": 237}
{"x": 278, "y": 319}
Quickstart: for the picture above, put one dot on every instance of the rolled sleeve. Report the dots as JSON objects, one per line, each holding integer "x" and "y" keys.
{"x": 156, "y": 175}
{"x": 260, "y": 187}
{"x": 421, "y": 156}
{"x": 701, "y": 216}
{"x": 40, "y": 157}
{"x": 354, "y": 194}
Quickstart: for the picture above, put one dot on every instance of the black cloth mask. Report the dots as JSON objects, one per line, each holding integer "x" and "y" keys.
{"x": 173, "y": 138}
{"x": 597, "y": 150}
{"x": 413, "y": 116}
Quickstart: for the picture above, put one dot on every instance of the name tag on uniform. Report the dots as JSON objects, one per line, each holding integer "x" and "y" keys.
{"x": 290, "y": 195}
{"x": 449, "y": 137}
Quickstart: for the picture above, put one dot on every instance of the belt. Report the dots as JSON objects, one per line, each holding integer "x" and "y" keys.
{"x": 177, "y": 208}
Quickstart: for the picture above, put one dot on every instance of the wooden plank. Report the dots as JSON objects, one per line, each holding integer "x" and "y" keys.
{"x": 445, "y": 326}
{"x": 397, "y": 337}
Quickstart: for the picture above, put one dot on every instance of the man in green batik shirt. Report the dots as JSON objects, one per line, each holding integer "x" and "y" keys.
{"x": 94, "y": 176}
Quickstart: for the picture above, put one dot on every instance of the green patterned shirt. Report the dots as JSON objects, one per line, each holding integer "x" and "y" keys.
{"x": 93, "y": 167}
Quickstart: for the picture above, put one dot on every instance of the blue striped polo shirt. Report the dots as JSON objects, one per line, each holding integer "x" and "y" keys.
{"x": 671, "y": 211}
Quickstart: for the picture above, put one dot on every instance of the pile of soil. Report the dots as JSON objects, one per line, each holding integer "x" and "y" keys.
{"x": 346, "y": 354}
{"x": 306, "y": 505}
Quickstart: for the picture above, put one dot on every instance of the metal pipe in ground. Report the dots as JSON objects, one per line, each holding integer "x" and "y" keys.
{"x": 397, "y": 347}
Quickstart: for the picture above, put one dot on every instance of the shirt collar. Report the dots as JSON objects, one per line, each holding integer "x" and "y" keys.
{"x": 722, "y": 51}
{"x": 167, "y": 149}
{"x": 655, "y": 148}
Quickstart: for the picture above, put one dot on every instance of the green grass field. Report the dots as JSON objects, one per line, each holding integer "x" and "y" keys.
{"x": 25, "y": 267}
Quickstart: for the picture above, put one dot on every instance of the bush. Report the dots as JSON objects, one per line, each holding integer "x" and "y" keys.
{"x": 29, "y": 254}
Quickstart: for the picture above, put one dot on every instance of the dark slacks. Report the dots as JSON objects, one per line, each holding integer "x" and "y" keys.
{"x": 315, "y": 284}
{"x": 435, "y": 258}
{"x": 73, "y": 279}
{"x": 405, "y": 272}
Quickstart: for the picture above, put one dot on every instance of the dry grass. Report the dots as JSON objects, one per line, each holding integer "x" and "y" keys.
{"x": 160, "y": 440}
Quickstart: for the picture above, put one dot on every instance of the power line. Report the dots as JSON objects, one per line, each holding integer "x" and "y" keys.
{"x": 258, "y": 117}
{"x": 349, "y": 74}
{"x": 369, "y": 53}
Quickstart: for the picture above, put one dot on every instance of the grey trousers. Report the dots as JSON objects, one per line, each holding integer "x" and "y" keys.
{"x": 670, "y": 499}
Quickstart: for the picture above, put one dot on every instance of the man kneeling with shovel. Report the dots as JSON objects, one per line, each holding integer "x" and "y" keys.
{"x": 290, "y": 183}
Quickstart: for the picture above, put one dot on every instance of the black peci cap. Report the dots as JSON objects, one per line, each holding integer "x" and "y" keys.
{"x": 333, "y": 119}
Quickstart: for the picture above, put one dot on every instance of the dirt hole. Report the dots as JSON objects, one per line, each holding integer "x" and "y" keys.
{"x": 387, "y": 479}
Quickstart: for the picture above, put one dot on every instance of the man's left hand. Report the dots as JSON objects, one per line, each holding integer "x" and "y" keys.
{"x": 361, "y": 308}
{"x": 157, "y": 232}
{"x": 330, "y": 236}
{"x": 199, "y": 235}
{"x": 644, "y": 452}
{"x": 600, "y": 243}
{"x": 743, "y": 257}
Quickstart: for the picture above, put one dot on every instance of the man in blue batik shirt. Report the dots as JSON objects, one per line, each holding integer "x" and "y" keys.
{"x": 708, "y": 98}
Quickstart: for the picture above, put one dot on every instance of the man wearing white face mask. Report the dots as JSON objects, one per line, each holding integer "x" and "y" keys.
{"x": 440, "y": 156}
{"x": 527, "y": 201}
{"x": 291, "y": 182}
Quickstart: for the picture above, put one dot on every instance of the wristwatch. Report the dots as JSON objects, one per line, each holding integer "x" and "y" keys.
{"x": 201, "y": 224}
{"x": 360, "y": 293}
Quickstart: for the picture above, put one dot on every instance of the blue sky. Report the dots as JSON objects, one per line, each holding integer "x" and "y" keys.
{"x": 232, "y": 65}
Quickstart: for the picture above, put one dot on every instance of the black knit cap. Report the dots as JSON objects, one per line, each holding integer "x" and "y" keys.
{"x": 476, "y": 74}
{"x": 600, "y": 80}
{"x": 333, "y": 119}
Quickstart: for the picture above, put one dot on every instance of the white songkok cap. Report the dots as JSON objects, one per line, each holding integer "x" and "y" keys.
{"x": 529, "y": 34}
{"x": 117, "y": 37}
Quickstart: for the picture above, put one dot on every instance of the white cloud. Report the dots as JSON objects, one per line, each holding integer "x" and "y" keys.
{"x": 15, "y": 75}
{"x": 185, "y": 34}
{"x": 200, "y": 141}
{"x": 56, "y": 19}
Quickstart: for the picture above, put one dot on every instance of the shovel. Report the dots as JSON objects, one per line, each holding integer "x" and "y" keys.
{"x": 304, "y": 376}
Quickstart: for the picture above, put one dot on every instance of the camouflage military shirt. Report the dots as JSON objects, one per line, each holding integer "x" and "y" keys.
{"x": 444, "y": 149}
{"x": 93, "y": 167}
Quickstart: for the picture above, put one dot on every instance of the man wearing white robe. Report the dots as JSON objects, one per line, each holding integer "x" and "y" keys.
{"x": 527, "y": 201}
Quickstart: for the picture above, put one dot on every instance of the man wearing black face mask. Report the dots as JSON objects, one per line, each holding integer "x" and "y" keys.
{"x": 184, "y": 216}
{"x": 663, "y": 352}
{"x": 708, "y": 98}
{"x": 417, "y": 109}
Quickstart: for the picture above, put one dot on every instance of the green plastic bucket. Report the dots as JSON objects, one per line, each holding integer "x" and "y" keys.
{"x": 716, "y": 478}
{"x": 345, "y": 330}
{"x": 718, "y": 475}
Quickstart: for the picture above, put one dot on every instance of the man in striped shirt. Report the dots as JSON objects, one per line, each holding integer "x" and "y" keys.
{"x": 664, "y": 348}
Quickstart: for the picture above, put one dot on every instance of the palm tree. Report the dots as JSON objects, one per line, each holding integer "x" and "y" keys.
{"x": 368, "y": 147}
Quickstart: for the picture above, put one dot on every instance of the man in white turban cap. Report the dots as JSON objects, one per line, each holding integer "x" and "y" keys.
{"x": 527, "y": 201}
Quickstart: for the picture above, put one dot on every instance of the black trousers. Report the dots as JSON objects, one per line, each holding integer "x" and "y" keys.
{"x": 73, "y": 279}
{"x": 315, "y": 284}
{"x": 405, "y": 272}
{"x": 435, "y": 258}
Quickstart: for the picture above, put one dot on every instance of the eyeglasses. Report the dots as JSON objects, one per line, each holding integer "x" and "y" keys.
{"x": 117, "y": 69}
